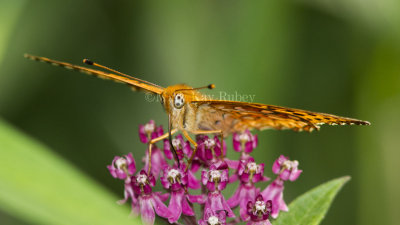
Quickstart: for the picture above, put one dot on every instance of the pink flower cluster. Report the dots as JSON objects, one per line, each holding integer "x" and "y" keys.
{"x": 256, "y": 207}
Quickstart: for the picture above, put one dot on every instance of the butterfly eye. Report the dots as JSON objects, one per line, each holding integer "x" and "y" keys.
{"x": 179, "y": 101}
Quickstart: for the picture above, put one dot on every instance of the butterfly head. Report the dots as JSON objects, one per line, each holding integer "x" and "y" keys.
{"x": 174, "y": 98}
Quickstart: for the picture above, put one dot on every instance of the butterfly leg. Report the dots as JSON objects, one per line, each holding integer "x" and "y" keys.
{"x": 153, "y": 141}
{"x": 195, "y": 144}
{"x": 187, "y": 136}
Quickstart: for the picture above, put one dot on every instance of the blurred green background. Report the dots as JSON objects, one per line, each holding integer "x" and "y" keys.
{"x": 334, "y": 56}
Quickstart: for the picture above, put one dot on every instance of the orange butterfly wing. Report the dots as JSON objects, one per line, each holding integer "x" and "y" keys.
{"x": 233, "y": 116}
{"x": 134, "y": 83}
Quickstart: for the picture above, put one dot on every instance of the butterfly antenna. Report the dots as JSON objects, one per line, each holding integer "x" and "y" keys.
{"x": 210, "y": 86}
{"x": 91, "y": 63}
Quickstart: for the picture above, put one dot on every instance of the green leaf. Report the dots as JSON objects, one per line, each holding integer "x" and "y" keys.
{"x": 38, "y": 186}
{"x": 311, "y": 207}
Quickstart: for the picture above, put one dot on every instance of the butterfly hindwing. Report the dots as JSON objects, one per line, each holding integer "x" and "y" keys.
{"x": 239, "y": 116}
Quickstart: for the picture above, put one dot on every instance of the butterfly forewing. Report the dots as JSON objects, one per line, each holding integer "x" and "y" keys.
{"x": 232, "y": 116}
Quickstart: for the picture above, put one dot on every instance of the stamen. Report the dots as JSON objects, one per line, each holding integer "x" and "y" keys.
{"x": 210, "y": 143}
{"x": 244, "y": 137}
{"x": 120, "y": 163}
{"x": 215, "y": 175}
{"x": 176, "y": 143}
{"x": 259, "y": 206}
{"x": 252, "y": 167}
{"x": 149, "y": 128}
{"x": 290, "y": 164}
{"x": 213, "y": 220}
{"x": 141, "y": 179}
{"x": 173, "y": 175}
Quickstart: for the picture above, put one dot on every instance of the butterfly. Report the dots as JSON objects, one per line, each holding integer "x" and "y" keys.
{"x": 189, "y": 111}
